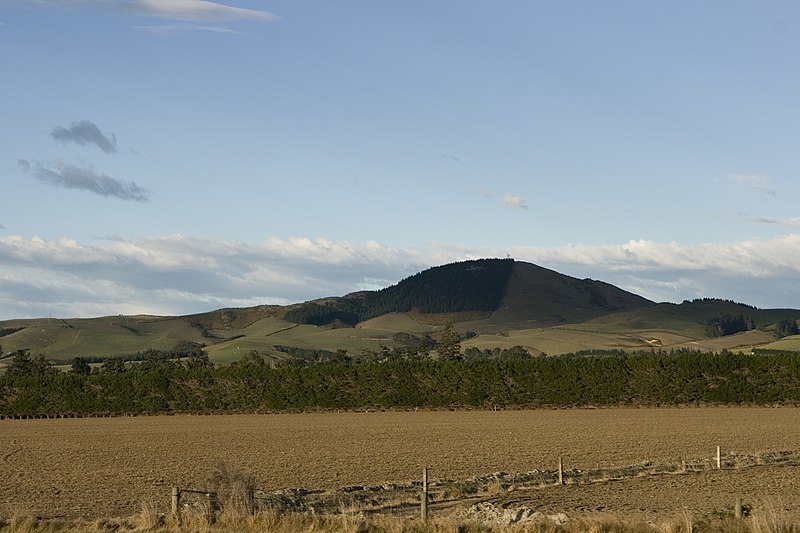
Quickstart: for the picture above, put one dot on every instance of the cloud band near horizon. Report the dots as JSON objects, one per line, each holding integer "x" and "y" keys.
{"x": 175, "y": 275}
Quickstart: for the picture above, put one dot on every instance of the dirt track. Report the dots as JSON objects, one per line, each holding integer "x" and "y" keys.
{"x": 109, "y": 467}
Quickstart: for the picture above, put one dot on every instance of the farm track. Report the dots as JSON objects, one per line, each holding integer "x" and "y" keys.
{"x": 111, "y": 466}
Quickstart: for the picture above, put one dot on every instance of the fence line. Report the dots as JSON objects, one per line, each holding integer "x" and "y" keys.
{"x": 177, "y": 492}
{"x": 404, "y": 497}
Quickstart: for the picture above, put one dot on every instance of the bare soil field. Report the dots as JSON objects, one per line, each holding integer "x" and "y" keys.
{"x": 111, "y": 466}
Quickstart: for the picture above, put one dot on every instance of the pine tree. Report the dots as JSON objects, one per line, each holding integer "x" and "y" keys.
{"x": 449, "y": 347}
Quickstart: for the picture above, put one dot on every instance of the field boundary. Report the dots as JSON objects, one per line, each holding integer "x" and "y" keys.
{"x": 404, "y": 499}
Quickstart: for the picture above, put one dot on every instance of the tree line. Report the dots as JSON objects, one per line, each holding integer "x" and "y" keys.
{"x": 602, "y": 379}
{"x": 729, "y": 324}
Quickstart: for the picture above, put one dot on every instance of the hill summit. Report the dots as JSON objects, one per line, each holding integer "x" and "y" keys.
{"x": 502, "y": 291}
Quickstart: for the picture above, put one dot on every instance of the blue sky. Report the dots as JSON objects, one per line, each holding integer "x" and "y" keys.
{"x": 176, "y": 156}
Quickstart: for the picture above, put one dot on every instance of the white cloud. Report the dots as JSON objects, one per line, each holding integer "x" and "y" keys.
{"x": 515, "y": 201}
{"x": 751, "y": 258}
{"x": 184, "y": 10}
{"x": 195, "y": 10}
{"x": 758, "y": 272}
{"x": 179, "y": 275}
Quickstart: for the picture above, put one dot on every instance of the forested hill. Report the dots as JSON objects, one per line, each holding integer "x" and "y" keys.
{"x": 516, "y": 291}
{"x": 477, "y": 285}
{"x": 469, "y": 286}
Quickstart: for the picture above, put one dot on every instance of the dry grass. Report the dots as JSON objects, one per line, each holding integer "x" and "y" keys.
{"x": 770, "y": 517}
{"x": 767, "y": 518}
{"x": 234, "y": 488}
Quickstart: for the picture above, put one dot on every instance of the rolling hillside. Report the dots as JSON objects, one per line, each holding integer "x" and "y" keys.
{"x": 493, "y": 303}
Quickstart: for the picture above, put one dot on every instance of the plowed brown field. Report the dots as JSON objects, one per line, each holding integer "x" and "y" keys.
{"x": 110, "y": 466}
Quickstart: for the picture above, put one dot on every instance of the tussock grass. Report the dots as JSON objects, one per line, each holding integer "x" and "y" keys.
{"x": 770, "y": 517}
{"x": 235, "y": 489}
{"x": 148, "y": 518}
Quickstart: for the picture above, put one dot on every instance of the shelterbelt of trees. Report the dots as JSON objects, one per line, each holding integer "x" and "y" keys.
{"x": 511, "y": 379}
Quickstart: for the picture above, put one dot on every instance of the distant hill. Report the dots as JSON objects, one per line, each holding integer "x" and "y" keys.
{"x": 509, "y": 292}
{"x": 690, "y": 317}
{"x": 458, "y": 287}
{"x": 493, "y": 303}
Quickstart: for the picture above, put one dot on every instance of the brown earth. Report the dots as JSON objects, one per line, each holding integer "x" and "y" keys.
{"x": 111, "y": 466}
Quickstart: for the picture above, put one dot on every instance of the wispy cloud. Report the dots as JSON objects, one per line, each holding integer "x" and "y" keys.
{"x": 179, "y": 275}
{"x": 85, "y": 132}
{"x": 188, "y": 10}
{"x": 88, "y": 179}
{"x": 514, "y": 201}
{"x": 166, "y": 29}
{"x": 792, "y": 222}
{"x": 756, "y": 181}
{"x": 194, "y": 10}
{"x": 451, "y": 158}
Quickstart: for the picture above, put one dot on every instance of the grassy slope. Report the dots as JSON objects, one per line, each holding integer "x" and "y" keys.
{"x": 663, "y": 326}
{"x": 557, "y": 340}
{"x": 266, "y": 333}
{"x": 787, "y": 343}
{"x": 667, "y": 325}
{"x": 396, "y": 322}
{"x": 65, "y": 339}
{"x": 688, "y": 318}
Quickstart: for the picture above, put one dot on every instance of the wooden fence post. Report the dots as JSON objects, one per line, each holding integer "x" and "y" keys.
{"x": 719, "y": 459}
{"x": 737, "y": 508}
{"x": 176, "y": 500}
{"x": 423, "y": 502}
{"x": 560, "y": 471}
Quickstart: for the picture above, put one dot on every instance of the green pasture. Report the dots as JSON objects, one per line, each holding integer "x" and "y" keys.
{"x": 263, "y": 336}
{"x": 396, "y": 322}
{"x": 558, "y": 340}
{"x": 789, "y": 344}
{"x": 661, "y": 326}
{"x": 59, "y": 339}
